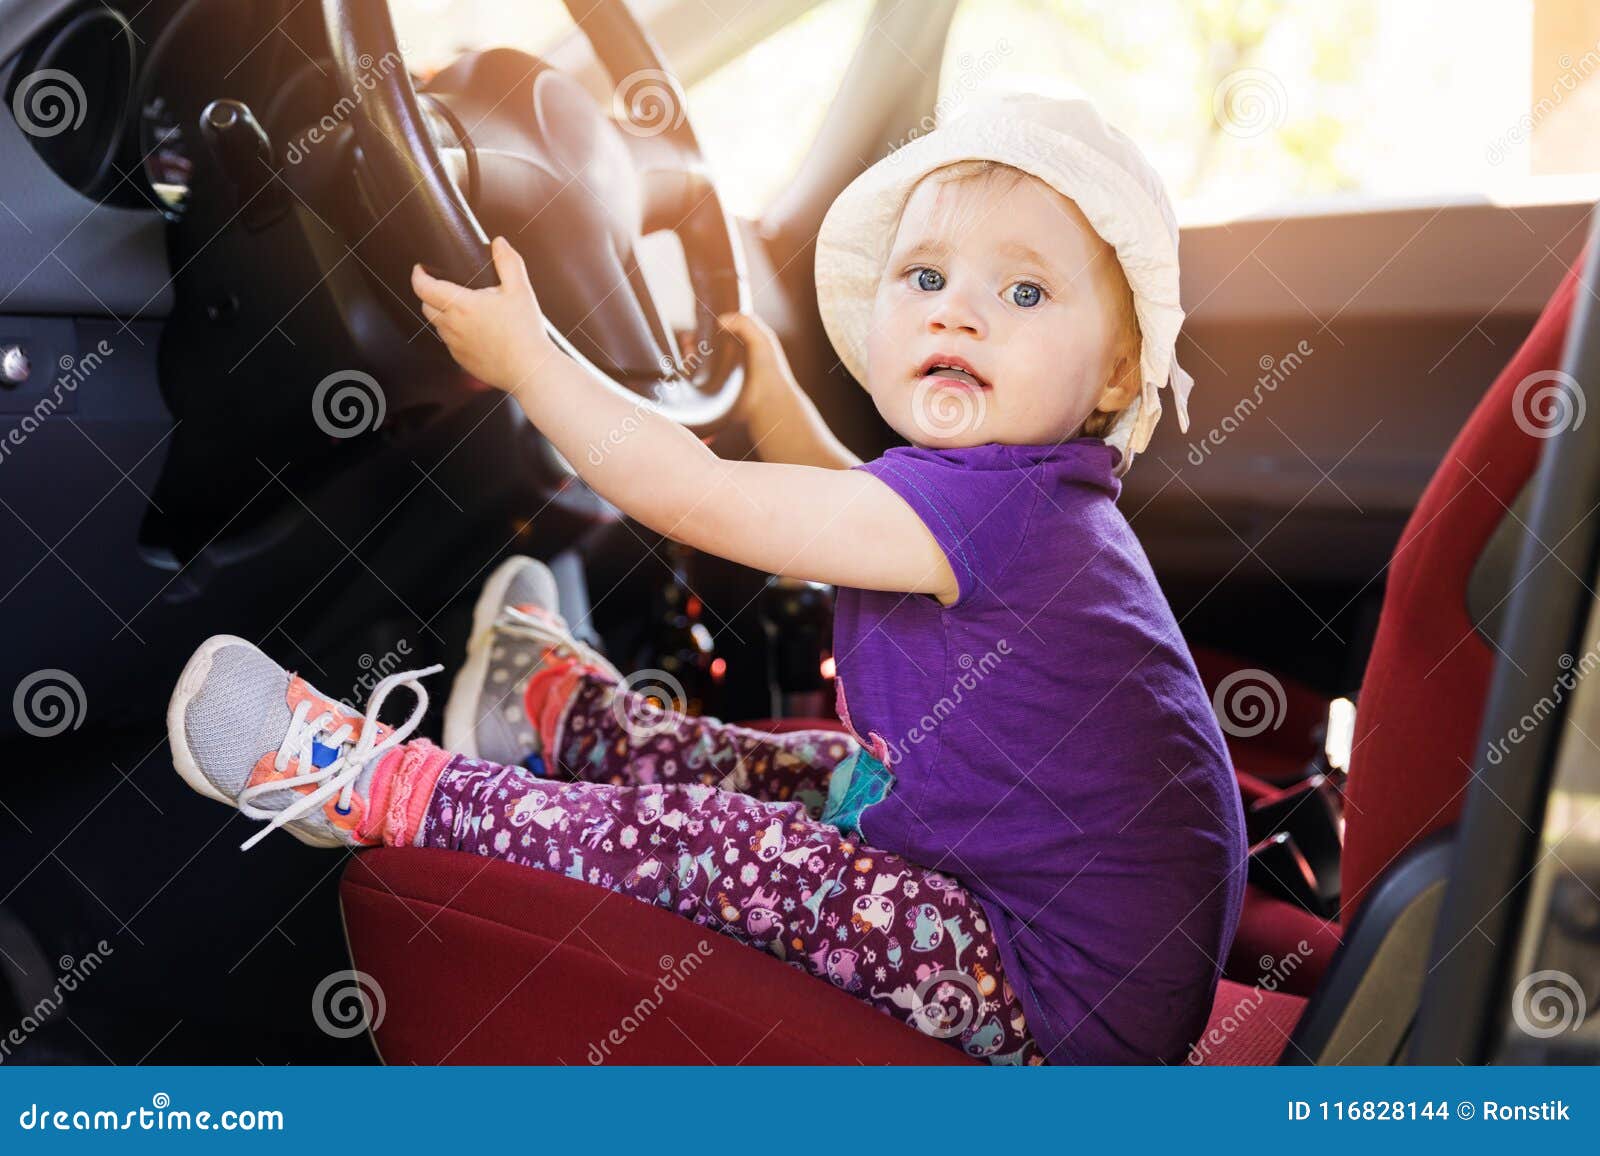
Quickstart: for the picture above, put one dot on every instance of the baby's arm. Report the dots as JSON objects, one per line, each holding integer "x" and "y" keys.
{"x": 783, "y": 423}
{"x": 833, "y": 525}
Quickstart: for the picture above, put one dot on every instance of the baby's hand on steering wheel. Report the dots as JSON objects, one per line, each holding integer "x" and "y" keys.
{"x": 768, "y": 378}
{"x": 496, "y": 334}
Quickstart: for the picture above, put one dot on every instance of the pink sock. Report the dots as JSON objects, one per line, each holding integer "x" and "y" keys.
{"x": 401, "y": 788}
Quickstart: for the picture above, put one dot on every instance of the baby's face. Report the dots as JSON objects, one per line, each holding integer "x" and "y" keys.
{"x": 1017, "y": 285}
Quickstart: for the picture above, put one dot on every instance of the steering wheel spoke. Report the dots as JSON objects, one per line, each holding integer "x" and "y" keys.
{"x": 672, "y": 182}
{"x": 620, "y": 328}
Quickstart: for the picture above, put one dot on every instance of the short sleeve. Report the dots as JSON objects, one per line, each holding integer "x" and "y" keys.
{"x": 975, "y": 515}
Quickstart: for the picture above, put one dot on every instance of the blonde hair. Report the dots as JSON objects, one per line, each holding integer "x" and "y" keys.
{"x": 1126, "y": 343}
{"x": 1126, "y": 334}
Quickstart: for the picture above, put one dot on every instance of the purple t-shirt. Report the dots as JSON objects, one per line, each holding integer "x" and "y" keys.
{"x": 1053, "y": 747}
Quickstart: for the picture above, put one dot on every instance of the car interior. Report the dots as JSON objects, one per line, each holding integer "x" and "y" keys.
{"x": 223, "y": 412}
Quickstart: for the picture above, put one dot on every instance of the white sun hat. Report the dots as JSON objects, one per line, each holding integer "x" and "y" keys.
{"x": 1066, "y": 144}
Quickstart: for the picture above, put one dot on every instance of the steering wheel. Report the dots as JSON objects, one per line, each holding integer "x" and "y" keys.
{"x": 503, "y": 138}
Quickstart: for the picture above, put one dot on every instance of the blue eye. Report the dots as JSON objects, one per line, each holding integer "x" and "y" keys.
{"x": 1027, "y": 294}
{"x": 923, "y": 278}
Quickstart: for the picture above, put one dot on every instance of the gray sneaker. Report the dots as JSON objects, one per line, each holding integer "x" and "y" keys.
{"x": 516, "y": 619}
{"x": 247, "y": 732}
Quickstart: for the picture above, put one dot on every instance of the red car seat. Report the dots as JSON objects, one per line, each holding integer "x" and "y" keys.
{"x": 1279, "y": 754}
{"x": 484, "y": 962}
{"x": 1270, "y": 927}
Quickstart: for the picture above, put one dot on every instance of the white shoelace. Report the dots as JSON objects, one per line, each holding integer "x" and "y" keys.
{"x": 536, "y": 628}
{"x": 340, "y": 775}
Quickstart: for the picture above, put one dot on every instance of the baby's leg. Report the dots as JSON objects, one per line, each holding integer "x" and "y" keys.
{"x": 528, "y": 678}
{"x": 909, "y": 941}
{"x": 601, "y": 731}
{"x": 248, "y": 733}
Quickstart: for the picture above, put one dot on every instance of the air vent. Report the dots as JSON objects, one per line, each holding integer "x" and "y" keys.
{"x": 71, "y": 94}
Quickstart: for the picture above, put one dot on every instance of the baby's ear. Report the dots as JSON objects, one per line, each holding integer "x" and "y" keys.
{"x": 1123, "y": 385}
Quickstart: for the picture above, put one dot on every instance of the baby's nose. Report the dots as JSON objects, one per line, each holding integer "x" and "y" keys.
{"x": 954, "y": 312}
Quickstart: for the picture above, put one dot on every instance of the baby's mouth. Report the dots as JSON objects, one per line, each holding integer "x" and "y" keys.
{"x": 955, "y": 376}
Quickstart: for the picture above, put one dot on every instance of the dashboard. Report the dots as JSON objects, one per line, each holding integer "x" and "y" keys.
{"x": 110, "y": 98}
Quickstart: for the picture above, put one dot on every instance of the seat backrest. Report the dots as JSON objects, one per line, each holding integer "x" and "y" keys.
{"x": 1422, "y": 697}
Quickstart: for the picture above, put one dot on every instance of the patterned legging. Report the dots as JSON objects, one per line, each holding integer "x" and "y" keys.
{"x": 720, "y": 824}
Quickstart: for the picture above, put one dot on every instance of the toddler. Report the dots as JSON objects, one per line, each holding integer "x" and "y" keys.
{"x": 1030, "y": 842}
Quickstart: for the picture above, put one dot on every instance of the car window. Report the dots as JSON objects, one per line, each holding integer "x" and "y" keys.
{"x": 1246, "y": 105}
{"x": 755, "y": 116}
{"x": 435, "y": 32}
